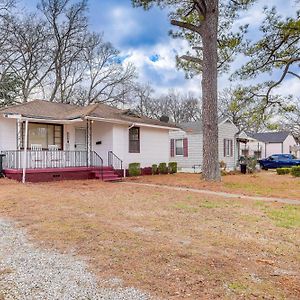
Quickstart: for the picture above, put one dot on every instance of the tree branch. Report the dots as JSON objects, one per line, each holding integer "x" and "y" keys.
{"x": 293, "y": 73}
{"x": 187, "y": 26}
{"x": 192, "y": 59}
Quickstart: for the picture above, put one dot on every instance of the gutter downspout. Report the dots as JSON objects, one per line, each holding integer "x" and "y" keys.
{"x": 133, "y": 124}
{"x": 25, "y": 153}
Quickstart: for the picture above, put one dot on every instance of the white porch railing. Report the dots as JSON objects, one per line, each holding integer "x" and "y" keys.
{"x": 14, "y": 159}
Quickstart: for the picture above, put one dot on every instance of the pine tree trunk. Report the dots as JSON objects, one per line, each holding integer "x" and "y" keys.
{"x": 211, "y": 170}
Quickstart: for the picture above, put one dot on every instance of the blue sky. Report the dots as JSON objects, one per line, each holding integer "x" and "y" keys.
{"x": 142, "y": 37}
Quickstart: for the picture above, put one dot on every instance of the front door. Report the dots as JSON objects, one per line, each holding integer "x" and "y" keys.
{"x": 80, "y": 139}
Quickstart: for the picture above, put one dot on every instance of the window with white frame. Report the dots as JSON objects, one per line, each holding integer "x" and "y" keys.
{"x": 228, "y": 148}
{"x": 179, "y": 147}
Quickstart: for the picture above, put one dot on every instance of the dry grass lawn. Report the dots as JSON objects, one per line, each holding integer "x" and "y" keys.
{"x": 176, "y": 245}
{"x": 264, "y": 183}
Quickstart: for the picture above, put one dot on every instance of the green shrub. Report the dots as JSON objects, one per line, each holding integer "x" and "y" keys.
{"x": 223, "y": 172}
{"x": 154, "y": 169}
{"x": 251, "y": 164}
{"x": 283, "y": 171}
{"x": 295, "y": 171}
{"x": 162, "y": 168}
{"x": 134, "y": 169}
{"x": 223, "y": 165}
{"x": 173, "y": 167}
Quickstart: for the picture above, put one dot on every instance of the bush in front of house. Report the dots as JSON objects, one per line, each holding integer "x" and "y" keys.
{"x": 172, "y": 167}
{"x": 295, "y": 171}
{"x": 162, "y": 168}
{"x": 223, "y": 165}
{"x": 146, "y": 171}
{"x": 134, "y": 169}
{"x": 251, "y": 164}
{"x": 154, "y": 169}
{"x": 283, "y": 171}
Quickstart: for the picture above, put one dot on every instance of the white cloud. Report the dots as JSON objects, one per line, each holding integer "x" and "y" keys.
{"x": 289, "y": 87}
{"x": 162, "y": 74}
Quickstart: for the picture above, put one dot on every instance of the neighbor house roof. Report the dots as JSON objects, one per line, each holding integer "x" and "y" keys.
{"x": 41, "y": 109}
{"x": 196, "y": 126}
{"x": 270, "y": 137}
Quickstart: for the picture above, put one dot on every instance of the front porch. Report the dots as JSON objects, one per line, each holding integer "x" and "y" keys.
{"x": 47, "y": 165}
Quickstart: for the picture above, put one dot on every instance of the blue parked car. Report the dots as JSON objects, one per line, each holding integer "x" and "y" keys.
{"x": 279, "y": 161}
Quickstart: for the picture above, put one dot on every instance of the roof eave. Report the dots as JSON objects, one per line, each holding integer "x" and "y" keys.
{"x": 116, "y": 121}
{"x": 40, "y": 119}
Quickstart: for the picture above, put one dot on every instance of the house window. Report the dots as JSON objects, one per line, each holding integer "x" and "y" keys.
{"x": 44, "y": 135}
{"x": 179, "y": 147}
{"x": 228, "y": 148}
{"x": 245, "y": 152}
{"x": 134, "y": 140}
{"x": 257, "y": 154}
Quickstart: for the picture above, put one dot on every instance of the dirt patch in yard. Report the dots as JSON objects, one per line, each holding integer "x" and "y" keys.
{"x": 267, "y": 184}
{"x": 176, "y": 245}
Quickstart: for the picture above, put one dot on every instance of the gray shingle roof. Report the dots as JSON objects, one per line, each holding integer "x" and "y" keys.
{"x": 196, "y": 126}
{"x": 59, "y": 111}
{"x": 270, "y": 137}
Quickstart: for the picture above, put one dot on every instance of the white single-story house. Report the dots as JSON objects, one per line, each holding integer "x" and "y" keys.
{"x": 264, "y": 144}
{"x": 68, "y": 136}
{"x": 186, "y": 145}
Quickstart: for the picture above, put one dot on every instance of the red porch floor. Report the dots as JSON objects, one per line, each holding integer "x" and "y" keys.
{"x": 72, "y": 173}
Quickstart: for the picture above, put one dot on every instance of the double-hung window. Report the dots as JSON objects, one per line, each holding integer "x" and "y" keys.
{"x": 228, "y": 148}
{"x": 134, "y": 140}
{"x": 179, "y": 147}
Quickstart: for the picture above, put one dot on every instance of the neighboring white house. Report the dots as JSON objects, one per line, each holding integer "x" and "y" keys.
{"x": 264, "y": 144}
{"x": 98, "y": 127}
{"x": 186, "y": 146}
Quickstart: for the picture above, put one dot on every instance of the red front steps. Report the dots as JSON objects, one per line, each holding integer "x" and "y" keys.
{"x": 108, "y": 174}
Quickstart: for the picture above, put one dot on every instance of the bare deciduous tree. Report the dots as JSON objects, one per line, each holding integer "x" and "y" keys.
{"x": 105, "y": 77}
{"x": 68, "y": 28}
{"x": 52, "y": 54}
{"x": 27, "y": 58}
{"x": 178, "y": 107}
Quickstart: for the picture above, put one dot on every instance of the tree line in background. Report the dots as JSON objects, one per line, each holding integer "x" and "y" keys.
{"x": 178, "y": 107}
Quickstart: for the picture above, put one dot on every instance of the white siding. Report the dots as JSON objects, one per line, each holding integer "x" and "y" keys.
{"x": 69, "y": 130}
{"x": 289, "y": 142}
{"x": 268, "y": 149}
{"x": 154, "y": 142}
{"x": 8, "y": 134}
{"x": 102, "y": 132}
{"x": 228, "y": 131}
{"x": 195, "y": 147}
{"x": 154, "y": 146}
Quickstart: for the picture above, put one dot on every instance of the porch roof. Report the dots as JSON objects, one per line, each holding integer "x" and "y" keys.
{"x": 45, "y": 110}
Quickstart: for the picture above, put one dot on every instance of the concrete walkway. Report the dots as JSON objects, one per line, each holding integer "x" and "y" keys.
{"x": 220, "y": 194}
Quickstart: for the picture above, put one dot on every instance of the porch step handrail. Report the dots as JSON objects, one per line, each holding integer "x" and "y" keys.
{"x": 114, "y": 161}
{"x": 97, "y": 161}
{"x": 41, "y": 159}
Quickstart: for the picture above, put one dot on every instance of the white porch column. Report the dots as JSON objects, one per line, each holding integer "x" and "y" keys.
{"x": 89, "y": 140}
{"x": 19, "y": 134}
{"x": 25, "y": 152}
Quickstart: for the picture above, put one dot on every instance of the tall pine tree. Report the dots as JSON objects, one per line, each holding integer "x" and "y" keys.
{"x": 206, "y": 25}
